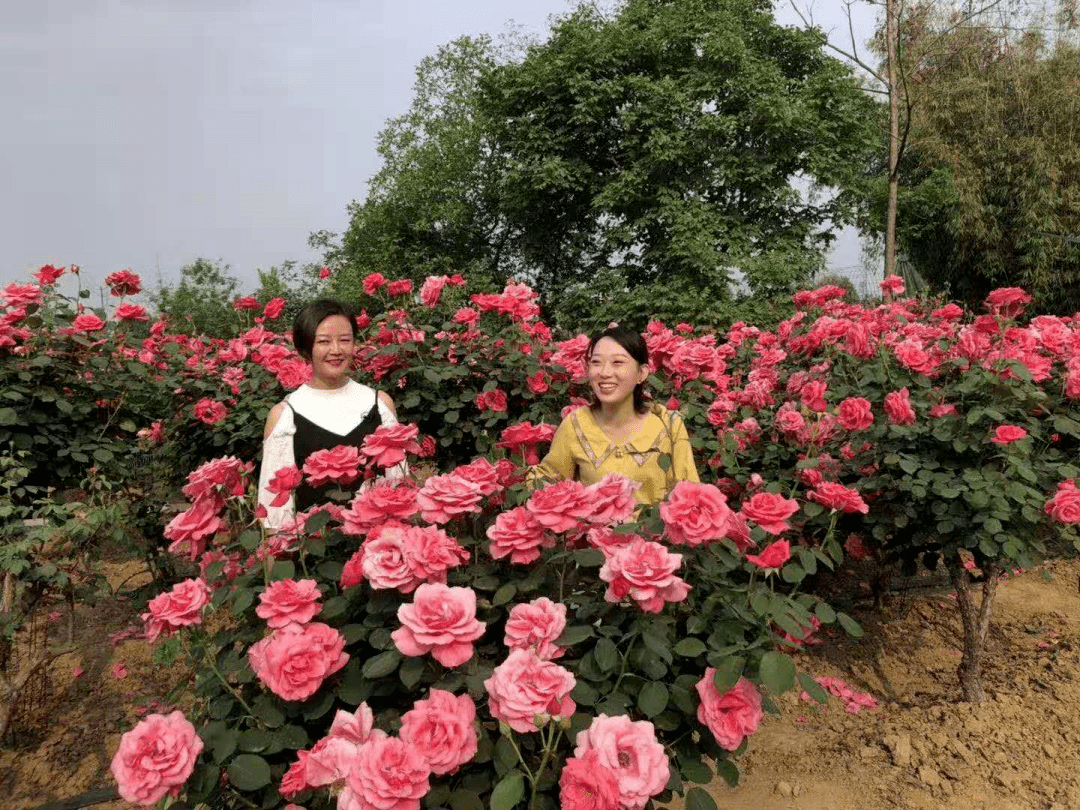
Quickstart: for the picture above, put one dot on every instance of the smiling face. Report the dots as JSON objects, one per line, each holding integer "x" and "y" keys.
{"x": 613, "y": 373}
{"x": 332, "y": 352}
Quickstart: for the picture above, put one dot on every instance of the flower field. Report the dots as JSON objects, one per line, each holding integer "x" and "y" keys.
{"x": 462, "y": 638}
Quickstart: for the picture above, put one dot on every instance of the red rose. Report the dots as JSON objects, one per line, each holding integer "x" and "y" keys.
{"x": 123, "y": 282}
{"x": 372, "y": 282}
{"x": 245, "y": 302}
{"x": 210, "y": 411}
{"x": 87, "y": 322}
{"x": 773, "y": 556}
{"x": 403, "y": 286}
{"x": 273, "y": 309}
{"x": 695, "y": 513}
{"x": 855, "y": 413}
{"x": 130, "y": 312}
{"x": 1007, "y": 434}
{"x": 48, "y": 274}
{"x": 770, "y": 511}
{"x": 491, "y": 401}
{"x": 283, "y": 483}
{"x": 1007, "y": 301}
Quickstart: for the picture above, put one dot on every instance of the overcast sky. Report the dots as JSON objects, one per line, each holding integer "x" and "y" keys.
{"x": 146, "y": 133}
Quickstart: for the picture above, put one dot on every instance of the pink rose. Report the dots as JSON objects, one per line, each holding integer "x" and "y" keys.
{"x": 289, "y": 600}
{"x": 352, "y": 574}
{"x": 855, "y": 414}
{"x": 441, "y": 621}
{"x": 644, "y": 571}
{"x": 525, "y": 692}
{"x": 387, "y": 445}
{"x": 898, "y": 407}
{"x": 836, "y": 496}
{"x": 482, "y": 473}
{"x": 944, "y": 409}
{"x": 444, "y": 497}
{"x": 560, "y": 506}
{"x": 283, "y": 483}
{"x": 193, "y": 527}
{"x": 534, "y": 626}
{"x": 130, "y": 312}
{"x": 390, "y": 775}
{"x": 294, "y": 780}
{"x": 372, "y": 282}
{"x": 892, "y": 285}
{"x": 155, "y": 758}
{"x": 911, "y": 355}
{"x": 731, "y": 716}
{"x": 375, "y": 504}
{"x": 773, "y": 556}
{"x": 245, "y": 302}
{"x": 494, "y": 400}
{"x": 182, "y": 606}
{"x": 402, "y": 286}
{"x": 353, "y": 726}
{"x": 401, "y": 557}
{"x": 330, "y": 761}
{"x": 517, "y": 534}
{"x": 218, "y": 479}
{"x": 695, "y": 513}
{"x": 612, "y": 499}
{"x": 629, "y": 750}
{"x": 21, "y": 295}
{"x": 770, "y": 511}
{"x": 210, "y": 411}
{"x": 48, "y": 274}
{"x": 1007, "y": 301}
{"x": 294, "y": 660}
{"x": 1064, "y": 507}
{"x": 273, "y": 309}
{"x": 586, "y": 784}
{"x": 442, "y": 729}
{"x": 1007, "y": 434}
{"x": 430, "y": 552}
{"x": 335, "y": 465}
{"x": 431, "y": 290}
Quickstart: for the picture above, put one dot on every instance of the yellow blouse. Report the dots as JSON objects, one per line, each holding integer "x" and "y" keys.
{"x": 582, "y": 451}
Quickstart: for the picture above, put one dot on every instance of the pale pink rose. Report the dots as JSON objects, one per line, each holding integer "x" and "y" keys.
{"x": 644, "y": 571}
{"x": 770, "y": 511}
{"x": 444, "y": 497}
{"x": 155, "y": 758}
{"x": 335, "y": 465}
{"x": 431, "y": 289}
{"x": 442, "y": 729}
{"x": 629, "y": 750}
{"x": 482, "y": 473}
{"x": 612, "y": 499}
{"x": 294, "y": 661}
{"x": 180, "y": 607}
{"x": 855, "y": 413}
{"x": 430, "y": 552}
{"x": 944, "y": 409}
{"x": 526, "y": 692}
{"x": 353, "y": 726}
{"x": 695, "y": 513}
{"x": 534, "y": 626}
{"x": 330, "y": 761}
{"x": 388, "y": 445}
{"x": 295, "y": 778}
{"x": 608, "y": 540}
{"x": 441, "y": 621}
{"x": 382, "y": 501}
{"x": 836, "y": 496}
{"x": 892, "y": 285}
{"x": 289, "y": 600}
{"x": 898, "y": 407}
{"x": 731, "y": 716}
{"x": 384, "y": 561}
{"x": 560, "y": 506}
{"x": 586, "y": 784}
{"x": 518, "y": 534}
{"x": 772, "y": 556}
{"x": 1007, "y": 434}
{"x": 1064, "y": 507}
{"x": 390, "y": 775}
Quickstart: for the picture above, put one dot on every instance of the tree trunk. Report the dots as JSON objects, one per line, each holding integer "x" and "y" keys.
{"x": 891, "y": 38}
{"x": 976, "y": 624}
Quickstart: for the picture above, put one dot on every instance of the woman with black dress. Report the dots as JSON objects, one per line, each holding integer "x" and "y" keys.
{"x": 330, "y": 410}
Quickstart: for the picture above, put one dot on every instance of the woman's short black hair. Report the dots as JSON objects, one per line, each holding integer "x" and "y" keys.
{"x": 311, "y": 315}
{"x": 635, "y": 346}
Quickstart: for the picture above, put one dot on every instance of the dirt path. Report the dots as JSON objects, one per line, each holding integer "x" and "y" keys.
{"x": 919, "y": 750}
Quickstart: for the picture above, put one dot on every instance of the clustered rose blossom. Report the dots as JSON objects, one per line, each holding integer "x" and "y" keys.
{"x": 631, "y": 752}
{"x": 525, "y": 692}
{"x": 294, "y": 660}
{"x": 155, "y": 758}
{"x": 399, "y": 556}
{"x": 376, "y": 504}
{"x": 289, "y": 600}
{"x": 731, "y": 716}
{"x": 534, "y": 626}
{"x": 645, "y": 572}
{"x": 180, "y": 607}
{"x": 441, "y": 621}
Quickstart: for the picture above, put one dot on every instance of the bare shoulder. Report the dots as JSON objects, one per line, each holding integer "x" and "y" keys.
{"x": 388, "y": 401}
{"x": 272, "y": 419}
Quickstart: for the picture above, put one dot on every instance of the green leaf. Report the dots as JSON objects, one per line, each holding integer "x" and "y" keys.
{"x": 333, "y": 607}
{"x": 793, "y": 573}
{"x": 267, "y": 712}
{"x": 606, "y": 654}
{"x": 694, "y": 770}
{"x": 813, "y": 688}
{"x": 727, "y": 770}
{"x": 589, "y": 557}
{"x": 504, "y": 594}
{"x": 254, "y": 740}
{"x": 698, "y": 799}
{"x": 381, "y": 665}
{"x": 411, "y": 670}
{"x": 249, "y": 772}
{"x": 690, "y": 647}
{"x": 465, "y": 800}
{"x": 728, "y": 673}
{"x": 283, "y": 569}
{"x": 849, "y": 624}
{"x": 509, "y": 791}
{"x": 243, "y": 601}
{"x": 825, "y": 613}
{"x": 777, "y": 672}
{"x": 652, "y": 699}
{"x": 574, "y": 635}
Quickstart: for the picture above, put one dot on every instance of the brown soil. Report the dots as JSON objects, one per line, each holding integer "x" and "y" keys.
{"x": 921, "y": 750}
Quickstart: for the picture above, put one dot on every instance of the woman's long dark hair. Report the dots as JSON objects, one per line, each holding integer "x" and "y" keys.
{"x": 634, "y": 344}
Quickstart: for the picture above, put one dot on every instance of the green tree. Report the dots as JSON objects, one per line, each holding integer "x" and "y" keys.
{"x": 202, "y": 302}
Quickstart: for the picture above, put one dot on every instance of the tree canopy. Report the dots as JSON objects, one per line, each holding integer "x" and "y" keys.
{"x": 665, "y": 149}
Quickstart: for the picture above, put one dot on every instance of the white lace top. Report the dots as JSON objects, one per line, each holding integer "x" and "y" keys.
{"x": 338, "y": 410}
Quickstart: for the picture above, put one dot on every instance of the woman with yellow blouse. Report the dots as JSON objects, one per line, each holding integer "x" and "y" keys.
{"x": 621, "y": 432}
